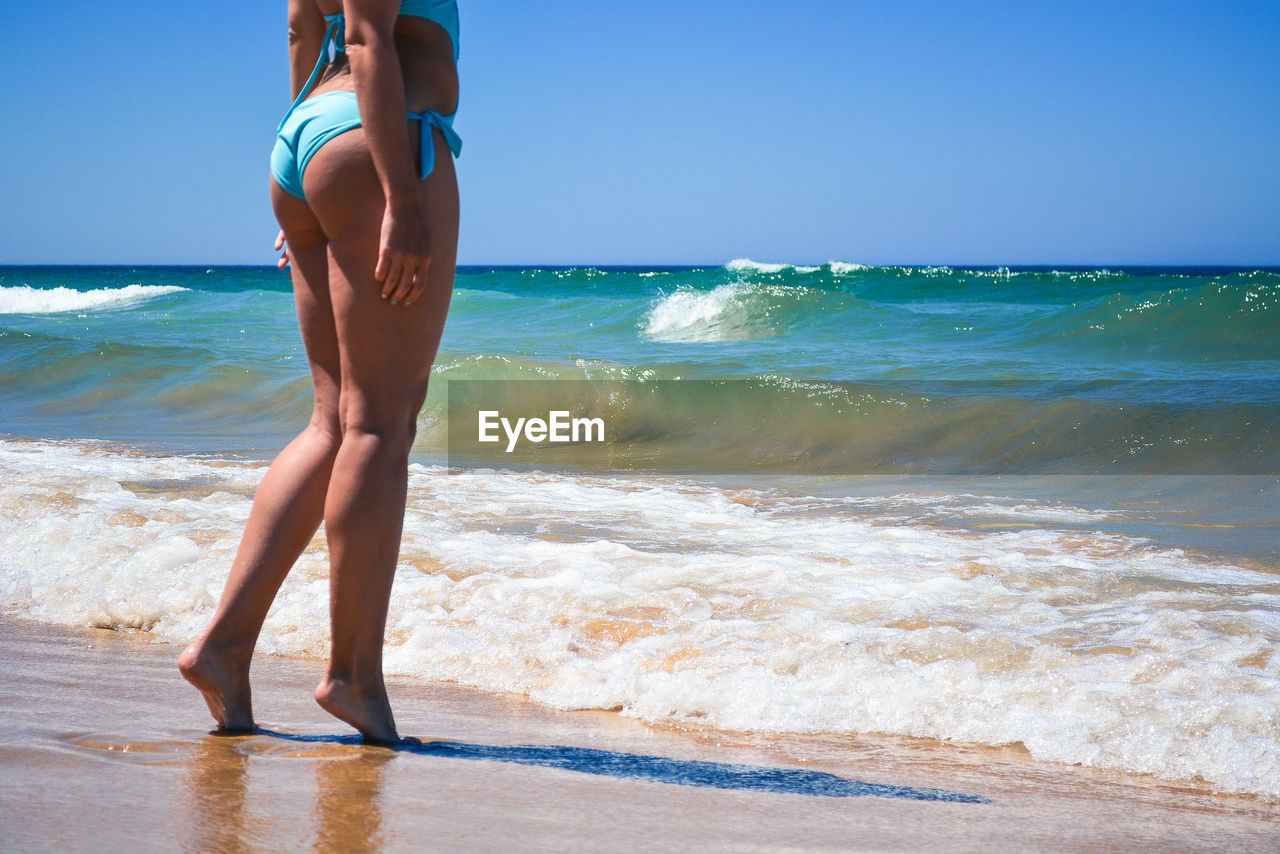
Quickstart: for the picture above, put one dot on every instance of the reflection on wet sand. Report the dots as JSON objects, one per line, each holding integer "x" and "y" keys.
{"x": 98, "y": 752}
{"x": 216, "y": 786}
{"x": 349, "y": 806}
{"x": 232, "y": 809}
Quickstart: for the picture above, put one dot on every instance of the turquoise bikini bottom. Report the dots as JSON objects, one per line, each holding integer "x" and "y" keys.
{"x": 315, "y": 121}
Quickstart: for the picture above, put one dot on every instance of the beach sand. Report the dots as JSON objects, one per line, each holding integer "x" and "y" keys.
{"x": 104, "y": 747}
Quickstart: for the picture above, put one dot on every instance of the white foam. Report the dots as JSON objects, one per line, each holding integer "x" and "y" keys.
{"x": 735, "y": 311}
{"x": 676, "y": 602}
{"x": 845, "y": 268}
{"x": 741, "y": 265}
{"x": 966, "y": 505}
{"x": 23, "y": 299}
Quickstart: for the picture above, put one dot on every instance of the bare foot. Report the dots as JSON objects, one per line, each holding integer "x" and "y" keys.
{"x": 364, "y": 707}
{"x": 223, "y": 678}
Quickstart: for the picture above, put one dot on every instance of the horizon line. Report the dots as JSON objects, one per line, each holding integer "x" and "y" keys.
{"x": 984, "y": 265}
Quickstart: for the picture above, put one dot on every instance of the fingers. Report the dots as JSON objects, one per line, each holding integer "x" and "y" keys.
{"x": 405, "y": 277}
{"x": 419, "y": 285}
{"x": 403, "y": 255}
{"x": 409, "y": 285}
{"x": 283, "y": 261}
{"x": 391, "y": 284}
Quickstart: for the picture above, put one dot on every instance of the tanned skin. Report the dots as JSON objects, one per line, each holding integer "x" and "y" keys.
{"x": 372, "y": 252}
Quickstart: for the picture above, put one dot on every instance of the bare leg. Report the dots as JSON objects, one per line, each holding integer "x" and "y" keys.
{"x": 386, "y": 356}
{"x": 289, "y": 503}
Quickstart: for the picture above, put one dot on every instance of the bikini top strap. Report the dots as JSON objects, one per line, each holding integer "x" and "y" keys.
{"x": 335, "y": 42}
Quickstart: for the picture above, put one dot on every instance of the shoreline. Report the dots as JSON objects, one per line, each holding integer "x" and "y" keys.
{"x": 93, "y": 767}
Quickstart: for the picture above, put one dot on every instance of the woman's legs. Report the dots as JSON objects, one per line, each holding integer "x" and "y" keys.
{"x": 370, "y": 362}
{"x": 289, "y": 503}
{"x": 386, "y": 354}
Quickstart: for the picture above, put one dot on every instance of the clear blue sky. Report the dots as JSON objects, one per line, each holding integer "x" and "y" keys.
{"x": 686, "y": 132}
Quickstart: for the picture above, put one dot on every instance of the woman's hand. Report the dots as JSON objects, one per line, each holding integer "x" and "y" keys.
{"x": 283, "y": 263}
{"x": 405, "y": 246}
{"x": 403, "y": 254}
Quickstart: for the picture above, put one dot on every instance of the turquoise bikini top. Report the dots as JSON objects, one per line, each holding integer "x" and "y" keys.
{"x": 442, "y": 12}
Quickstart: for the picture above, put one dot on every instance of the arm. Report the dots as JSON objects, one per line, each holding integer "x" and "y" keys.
{"x": 404, "y": 250}
{"x": 306, "y": 34}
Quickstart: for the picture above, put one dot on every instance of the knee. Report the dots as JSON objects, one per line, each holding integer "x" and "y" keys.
{"x": 326, "y": 431}
{"x": 378, "y": 443}
{"x": 391, "y": 434}
{"x": 390, "y": 413}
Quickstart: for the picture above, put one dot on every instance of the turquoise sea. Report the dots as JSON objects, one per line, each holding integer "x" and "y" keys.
{"x": 1008, "y": 506}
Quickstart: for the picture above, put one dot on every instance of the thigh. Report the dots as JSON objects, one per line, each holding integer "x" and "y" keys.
{"x": 309, "y": 270}
{"x": 386, "y": 351}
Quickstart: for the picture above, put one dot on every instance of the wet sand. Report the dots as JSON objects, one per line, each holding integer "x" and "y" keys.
{"x": 104, "y": 747}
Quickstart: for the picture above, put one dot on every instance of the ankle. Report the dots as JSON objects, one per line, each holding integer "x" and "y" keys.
{"x": 235, "y": 648}
{"x": 356, "y": 684}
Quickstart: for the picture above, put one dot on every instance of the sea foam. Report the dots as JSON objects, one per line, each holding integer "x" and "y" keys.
{"x": 677, "y": 602}
{"x": 736, "y": 311}
{"x": 23, "y": 299}
{"x": 740, "y": 265}
{"x": 837, "y": 268}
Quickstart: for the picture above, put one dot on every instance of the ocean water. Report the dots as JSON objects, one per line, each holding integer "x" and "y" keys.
{"x": 1055, "y": 524}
